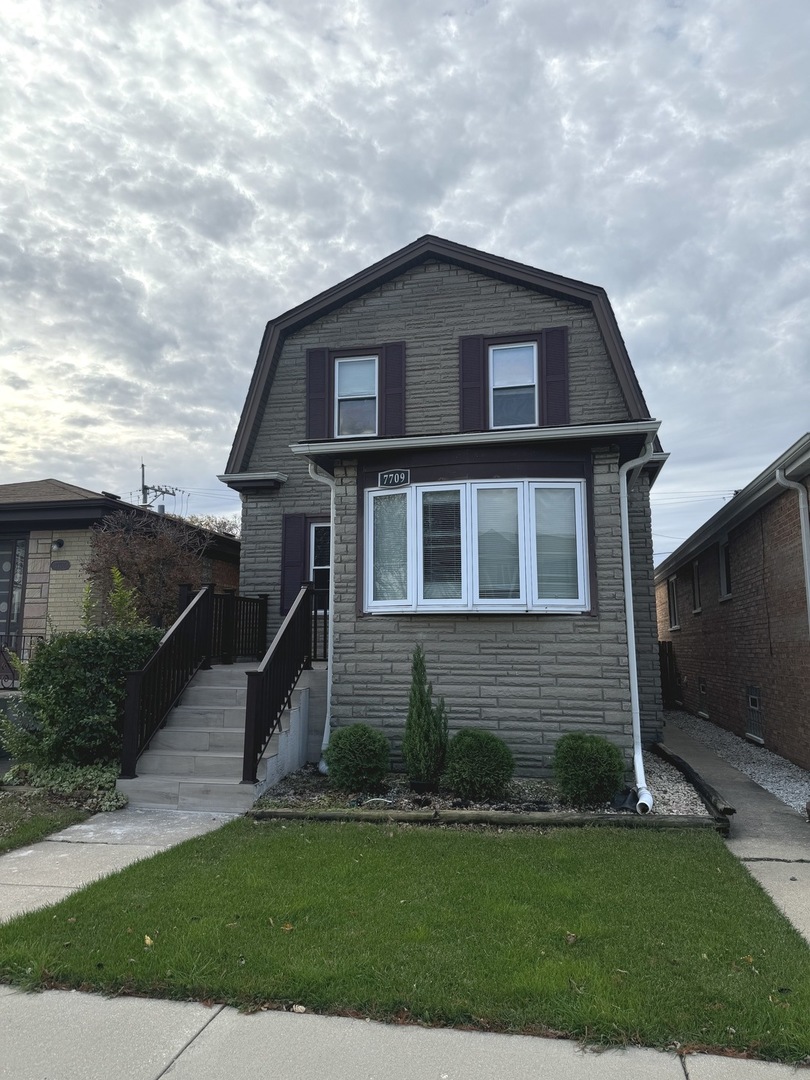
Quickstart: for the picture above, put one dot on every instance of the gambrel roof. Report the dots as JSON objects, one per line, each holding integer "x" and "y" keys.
{"x": 429, "y": 248}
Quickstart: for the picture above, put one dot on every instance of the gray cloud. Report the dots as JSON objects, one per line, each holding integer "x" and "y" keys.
{"x": 174, "y": 174}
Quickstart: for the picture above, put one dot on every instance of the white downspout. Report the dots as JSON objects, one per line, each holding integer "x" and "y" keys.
{"x": 645, "y": 799}
{"x": 805, "y": 523}
{"x": 324, "y": 478}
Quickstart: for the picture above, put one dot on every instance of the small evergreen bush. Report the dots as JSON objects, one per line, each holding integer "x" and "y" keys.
{"x": 588, "y": 768}
{"x": 358, "y": 758}
{"x": 424, "y": 745}
{"x": 72, "y": 696}
{"x": 479, "y": 765}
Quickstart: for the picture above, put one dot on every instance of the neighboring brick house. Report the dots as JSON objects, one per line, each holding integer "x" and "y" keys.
{"x": 733, "y": 604}
{"x": 470, "y": 415}
{"x": 44, "y": 544}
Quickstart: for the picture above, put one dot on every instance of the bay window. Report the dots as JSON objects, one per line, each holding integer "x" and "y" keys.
{"x": 517, "y": 545}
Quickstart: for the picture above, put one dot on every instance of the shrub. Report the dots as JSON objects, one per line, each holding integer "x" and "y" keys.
{"x": 90, "y": 786}
{"x": 358, "y": 758}
{"x": 72, "y": 696}
{"x": 424, "y": 745}
{"x": 588, "y": 768}
{"x": 479, "y": 765}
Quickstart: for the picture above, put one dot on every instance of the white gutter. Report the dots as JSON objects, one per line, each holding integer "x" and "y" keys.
{"x": 324, "y": 478}
{"x": 805, "y": 523}
{"x": 645, "y": 799}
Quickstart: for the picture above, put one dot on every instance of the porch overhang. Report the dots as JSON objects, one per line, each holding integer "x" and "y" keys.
{"x": 629, "y": 437}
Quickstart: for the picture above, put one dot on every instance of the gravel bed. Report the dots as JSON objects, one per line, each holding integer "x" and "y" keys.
{"x": 307, "y": 789}
{"x": 782, "y": 778}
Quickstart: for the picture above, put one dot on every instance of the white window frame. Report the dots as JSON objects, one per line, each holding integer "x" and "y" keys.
{"x": 406, "y": 603}
{"x": 440, "y": 603}
{"x": 469, "y": 600}
{"x": 492, "y": 387}
{"x": 581, "y": 601}
{"x": 357, "y": 397}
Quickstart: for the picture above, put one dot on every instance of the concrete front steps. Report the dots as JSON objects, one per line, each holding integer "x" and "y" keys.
{"x": 195, "y": 761}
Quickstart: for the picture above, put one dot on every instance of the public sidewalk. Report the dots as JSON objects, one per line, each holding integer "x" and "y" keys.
{"x": 67, "y": 1035}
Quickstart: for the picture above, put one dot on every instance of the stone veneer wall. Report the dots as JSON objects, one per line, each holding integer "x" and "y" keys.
{"x": 528, "y": 678}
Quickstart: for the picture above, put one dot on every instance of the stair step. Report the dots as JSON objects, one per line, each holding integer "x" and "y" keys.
{"x": 183, "y": 763}
{"x": 199, "y": 739}
{"x": 199, "y": 716}
{"x": 214, "y": 696}
{"x": 174, "y": 793}
{"x": 224, "y": 675}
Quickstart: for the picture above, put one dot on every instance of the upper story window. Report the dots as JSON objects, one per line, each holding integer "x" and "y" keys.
{"x": 514, "y": 381}
{"x": 516, "y": 545}
{"x": 355, "y": 396}
{"x": 696, "y": 607}
{"x": 355, "y": 393}
{"x": 513, "y": 385}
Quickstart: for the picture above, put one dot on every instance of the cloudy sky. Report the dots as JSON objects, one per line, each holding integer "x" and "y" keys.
{"x": 174, "y": 174}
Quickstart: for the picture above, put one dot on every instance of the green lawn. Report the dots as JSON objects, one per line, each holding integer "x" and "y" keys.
{"x": 616, "y": 936}
{"x": 29, "y": 816}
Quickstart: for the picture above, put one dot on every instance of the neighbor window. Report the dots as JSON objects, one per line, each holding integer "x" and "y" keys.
{"x": 356, "y": 396}
{"x": 672, "y": 597}
{"x": 513, "y": 385}
{"x": 320, "y": 562}
{"x": 725, "y": 570}
{"x": 695, "y": 586}
{"x": 477, "y": 546}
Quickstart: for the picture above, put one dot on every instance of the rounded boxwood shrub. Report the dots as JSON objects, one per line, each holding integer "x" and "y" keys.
{"x": 358, "y": 758}
{"x": 588, "y": 768}
{"x": 479, "y": 765}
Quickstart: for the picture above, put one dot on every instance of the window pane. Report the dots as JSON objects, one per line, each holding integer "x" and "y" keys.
{"x": 357, "y": 416}
{"x": 320, "y": 545}
{"x": 514, "y": 407}
{"x": 557, "y": 576}
{"x": 513, "y": 366}
{"x": 390, "y": 547}
{"x": 498, "y": 554}
{"x": 441, "y": 544}
{"x": 356, "y": 378}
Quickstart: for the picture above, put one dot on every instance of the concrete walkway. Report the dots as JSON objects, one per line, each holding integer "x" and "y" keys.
{"x": 61, "y": 1035}
{"x": 771, "y": 839}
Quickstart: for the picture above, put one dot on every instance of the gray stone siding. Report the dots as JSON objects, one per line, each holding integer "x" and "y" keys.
{"x": 528, "y": 678}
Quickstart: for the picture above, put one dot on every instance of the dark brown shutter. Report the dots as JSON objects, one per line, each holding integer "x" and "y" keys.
{"x": 293, "y": 554}
{"x": 317, "y": 394}
{"x": 472, "y": 384}
{"x": 392, "y": 412}
{"x": 555, "y": 377}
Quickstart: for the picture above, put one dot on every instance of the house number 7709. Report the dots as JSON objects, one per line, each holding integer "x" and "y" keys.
{"x": 395, "y": 477}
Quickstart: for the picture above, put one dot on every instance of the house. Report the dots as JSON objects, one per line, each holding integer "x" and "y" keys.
{"x": 44, "y": 543}
{"x": 734, "y": 611}
{"x": 439, "y": 441}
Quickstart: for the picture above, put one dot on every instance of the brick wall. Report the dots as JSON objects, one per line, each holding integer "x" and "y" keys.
{"x": 757, "y": 637}
{"x": 53, "y": 590}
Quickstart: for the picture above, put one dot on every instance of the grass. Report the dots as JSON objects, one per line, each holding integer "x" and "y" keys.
{"x": 615, "y": 936}
{"x": 29, "y": 816}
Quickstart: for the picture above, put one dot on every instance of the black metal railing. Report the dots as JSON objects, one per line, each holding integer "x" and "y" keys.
{"x": 184, "y": 649}
{"x": 320, "y": 624}
{"x": 15, "y": 649}
{"x": 239, "y": 627}
{"x": 270, "y": 688}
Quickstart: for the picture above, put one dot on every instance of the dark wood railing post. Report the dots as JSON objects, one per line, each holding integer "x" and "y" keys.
{"x": 228, "y": 626}
{"x": 252, "y": 727}
{"x": 205, "y": 628}
{"x": 263, "y": 602}
{"x": 132, "y": 710}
